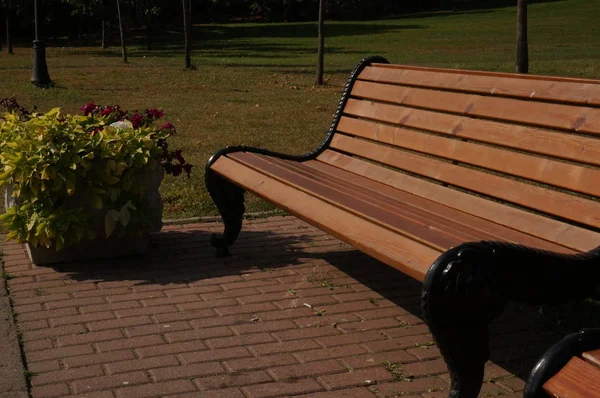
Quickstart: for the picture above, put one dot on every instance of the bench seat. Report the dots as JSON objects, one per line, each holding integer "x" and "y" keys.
{"x": 483, "y": 186}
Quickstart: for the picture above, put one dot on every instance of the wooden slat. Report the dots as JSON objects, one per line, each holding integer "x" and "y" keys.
{"x": 560, "y": 174}
{"x": 407, "y": 225}
{"x": 578, "y": 91}
{"x": 566, "y": 117}
{"x": 552, "y": 202}
{"x": 437, "y": 221}
{"x": 443, "y": 218}
{"x": 542, "y": 227}
{"x": 592, "y": 356}
{"x": 487, "y": 228}
{"x": 522, "y": 76}
{"x": 565, "y": 146}
{"x": 408, "y": 256}
{"x": 577, "y": 379}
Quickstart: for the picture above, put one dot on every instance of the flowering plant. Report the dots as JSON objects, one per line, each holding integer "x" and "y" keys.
{"x": 65, "y": 169}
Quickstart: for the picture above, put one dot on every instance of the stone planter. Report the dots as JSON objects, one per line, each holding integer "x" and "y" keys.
{"x": 101, "y": 247}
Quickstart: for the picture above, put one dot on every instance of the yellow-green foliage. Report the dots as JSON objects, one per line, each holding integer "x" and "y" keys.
{"x": 64, "y": 167}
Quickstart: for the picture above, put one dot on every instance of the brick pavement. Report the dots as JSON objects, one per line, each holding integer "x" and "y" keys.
{"x": 293, "y": 311}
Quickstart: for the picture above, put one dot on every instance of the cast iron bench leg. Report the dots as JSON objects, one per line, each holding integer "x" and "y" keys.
{"x": 468, "y": 286}
{"x": 229, "y": 199}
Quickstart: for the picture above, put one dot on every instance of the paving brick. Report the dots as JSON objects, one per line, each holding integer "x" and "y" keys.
{"x": 197, "y": 305}
{"x": 119, "y": 323}
{"x": 95, "y": 317}
{"x": 400, "y": 388}
{"x": 233, "y": 392}
{"x": 99, "y": 292}
{"x": 306, "y": 333}
{"x": 33, "y": 316}
{"x": 66, "y": 375}
{"x": 188, "y": 315}
{"x": 283, "y": 389}
{"x": 257, "y": 327}
{"x": 71, "y": 302}
{"x": 234, "y": 379}
{"x": 37, "y": 345}
{"x": 247, "y": 284}
{"x": 141, "y": 364}
{"x": 112, "y": 381}
{"x": 377, "y": 359}
{"x": 147, "y": 311}
{"x": 157, "y": 328}
{"x": 375, "y": 324}
{"x": 381, "y": 313}
{"x": 195, "y": 334}
{"x": 90, "y": 309}
{"x": 187, "y": 371}
{"x": 193, "y": 290}
{"x": 400, "y": 344}
{"x": 215, "y": 355}
{"x": 43, "y": 298}
{"x": 91, "y": 337}
{"x": 52, "y": 390}
{"x": 513, "y": 384}
{"x": 102, "y": 358}
{"x": 62, "y": 352}
{"x": 312, "y": 369}
{"x": 326, "y": 353}
{"x": 173, "y": 348}
{"x": 326, "y": 320}
{"x": 124, "y": 343}
{"x": 246, "y": 364}
{"x": 357, "y": 392}
{"x": 33, "y": 325}
{"x": 171, "y": 300}
{"x": 156, "y": 389}
{"x": 243, "y": 340}
{"x": 287, "y": 346}
{"x": 362, "y": 377}
{"x": 358, "y": 337}
{"x": 406, "y": 331}
{"x": 248, "y": 308}
{"x": 115, "y": 297}
{"x": 423, "y": 354}
{"x": 290, "y": 313}
{"x": 43, "y": 366}
{"x": 22, "y": 309}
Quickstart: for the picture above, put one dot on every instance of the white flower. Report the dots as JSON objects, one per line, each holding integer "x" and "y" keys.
{"x": 123, "y": 124}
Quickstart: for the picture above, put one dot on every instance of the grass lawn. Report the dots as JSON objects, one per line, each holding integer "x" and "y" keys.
{"x": 254, "y": 82}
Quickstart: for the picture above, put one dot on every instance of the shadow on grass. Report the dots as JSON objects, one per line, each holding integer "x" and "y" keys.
{"x": 518, "y": 338}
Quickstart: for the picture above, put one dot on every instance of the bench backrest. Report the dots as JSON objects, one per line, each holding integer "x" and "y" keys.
{"x": 530, "y": 142}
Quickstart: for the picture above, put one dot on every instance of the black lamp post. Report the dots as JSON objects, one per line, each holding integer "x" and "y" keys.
{"x": 39, "y": 75}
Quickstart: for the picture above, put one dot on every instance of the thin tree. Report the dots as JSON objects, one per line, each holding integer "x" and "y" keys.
{"x": 522, "y": 61}
{"x": 123, "y": 48}
{"x": 321, "y": 48}
{"x": 103, "y": 11}
{"x": 187, "y": 32}
{"x": 8, "y": 11}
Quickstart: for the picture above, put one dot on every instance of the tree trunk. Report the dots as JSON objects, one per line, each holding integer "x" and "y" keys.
{"x": 123, "y": 48}
{"x": 321, "y": 49}
{"x": 149, "y": 33}
{"x": 103, "y": 42}
{"x": 187, "y": 28}
{"x": 9, "y": 44}
{"x": 522, "y": 61}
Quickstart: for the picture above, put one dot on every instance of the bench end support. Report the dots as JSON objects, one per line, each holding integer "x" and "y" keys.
{"x": 229, "y": 199}
{"x": 469, "y": 285}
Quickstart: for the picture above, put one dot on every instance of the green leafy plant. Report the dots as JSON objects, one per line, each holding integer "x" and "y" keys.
{"x": 65, "y": 169}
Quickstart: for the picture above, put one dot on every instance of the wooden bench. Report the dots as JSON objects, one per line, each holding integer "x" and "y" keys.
{"x": 483, "y": 185}
{"x": 569, "y": 369}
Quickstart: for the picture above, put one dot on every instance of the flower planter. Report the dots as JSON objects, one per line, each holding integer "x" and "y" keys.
{"x": 101, "y": 247}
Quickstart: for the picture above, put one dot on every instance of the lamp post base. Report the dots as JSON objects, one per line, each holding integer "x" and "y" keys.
{"x": 39, "y": 75}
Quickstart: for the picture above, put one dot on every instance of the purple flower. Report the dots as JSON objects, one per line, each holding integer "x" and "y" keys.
{"x": 88, "y": 108}
{"x": 154, "y": 113}
{"x": 136, "y": 120}
{"x": 168, "y": 126}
